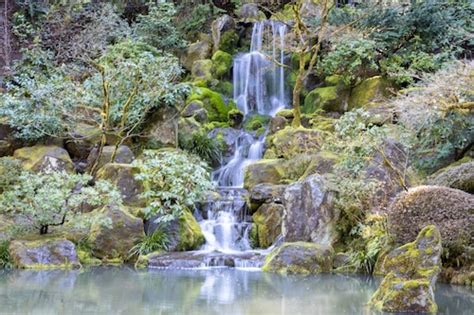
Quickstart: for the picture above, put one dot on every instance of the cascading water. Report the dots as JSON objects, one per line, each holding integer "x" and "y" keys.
{"x": 259, "y": 88}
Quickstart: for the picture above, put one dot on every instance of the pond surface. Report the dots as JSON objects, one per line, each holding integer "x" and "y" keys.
{"x": 213, "y": 291}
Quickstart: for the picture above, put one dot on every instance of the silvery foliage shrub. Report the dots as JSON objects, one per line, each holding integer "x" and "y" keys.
{"x": 38, "y": 201}
{"x": 174, "y": 181}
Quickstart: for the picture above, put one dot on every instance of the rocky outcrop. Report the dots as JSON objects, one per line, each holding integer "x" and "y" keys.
{"x": 265, "y": 193}
{"x": 123, "y": 177}
{"x": 123, "y": 156}
{"x": 370, "y": 90}
{"x": 266, "y": 226}
{"x": 309, "y": 212}
{"x": 113, "y": 237}
{"x": 219, "y": 26}
{"x": 299, "y": 258}
{"x": 196, "y": 51}
{"x": 44, "y": 158}
{"x": 451, "y": 210}
{"x": 162, "y": 127}
{"x": 84, "y": 138}
{"x": 412, "y": 272}
{"x": 249, "y": 13}
{"x": 289, "y": 142}
{"x": 459, "y": 176}
{"x": 44, "y": 254}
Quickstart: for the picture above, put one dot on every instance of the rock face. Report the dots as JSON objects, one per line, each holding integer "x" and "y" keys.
{"x": 267, "y": 224}
{"x": 460, "y": 176}
{"x": 183, "y": 233}
{"x": 309, "y": 213}
{"x": 451, "y": 210}
{"x": 85, "y": 137}
{"x": 123, "y": 177}
{"x": 299, "y": 258}
{"x": 124, "y": 156}
{"x": 196, "y": 51}
{"x": 44, "y": 254}
{"x": 250, "y": 13}
{"x": 265, "y": 193}
{"x": 412, "y": 272}
{"x": 370, "y": 90}
{"x": 43, "y": 158}
{"x": 290, "y": 142}
{"x": 163, "y": 127}
{"x": 219, "y": 26}
{"x": 114, "y": 239}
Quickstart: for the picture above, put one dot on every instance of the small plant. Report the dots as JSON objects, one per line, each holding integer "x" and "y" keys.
{"x": 158, "y": 240}
{"x": 199, "y": 143}
{"x": 5, "y": 255}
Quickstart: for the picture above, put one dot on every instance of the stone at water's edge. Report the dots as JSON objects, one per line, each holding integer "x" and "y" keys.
{"x": 44, "y": 254}
{"x": 114, "y": 239}
{"x": 309, "y": 214}
{"x": 299, "y": 258}
{"x": 412, "y": 272}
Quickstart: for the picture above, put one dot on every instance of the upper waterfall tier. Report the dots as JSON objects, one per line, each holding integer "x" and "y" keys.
{"x": 259, "y": 80}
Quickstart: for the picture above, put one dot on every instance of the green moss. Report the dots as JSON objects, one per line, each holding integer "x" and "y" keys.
{"x": 334, "y": 80}
{"x": 203, "y": 71}
{"x": 190, "y": 233}
{"x": 213, "y": 102}
{"x": 224, "y": 87}
{"x": 256, "y": 122}
{"x": 367, "y": 91}
{"x": 228, "y": 42}
{"x": 222, "y": 63}
{"x": 86, "y": 258}
{"x": 323, "y": 98}
{"x": 286, "y": 113}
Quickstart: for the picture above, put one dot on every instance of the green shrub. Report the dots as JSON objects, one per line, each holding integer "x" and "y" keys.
{"x": 199, "y": 143}
{"x": 173, "y": 181}
{"x": 5, "y": 261}
{"x": 159, "y": 240}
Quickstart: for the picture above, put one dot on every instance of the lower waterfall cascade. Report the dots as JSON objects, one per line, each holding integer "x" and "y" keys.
{"x": 259, "y": 88}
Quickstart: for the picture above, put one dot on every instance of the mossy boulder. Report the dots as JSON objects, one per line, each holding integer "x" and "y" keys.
{"x": 370, "y": 90}
{"x": 459, "y": 176}
{"x": 412, "y": 272}
{"x": 123, "y": 156}
{"x": 263, "y": 171}
{"x": 451, "y": 210}
{"x": 222, "y": 63}
{"x": 289, "y": 142}
{"x": 196, "y": 110}
{"x": 265, "y": 193}
{"x": 228, "y": 42}
{"x": 184, "y": 233}
{"x": 299, "y": 258}
{"x": 310, "y": 214}
{"x": 44, "y": 158}
{"x": 203, "y": 70}
{"x": 250, "y": 13}
{"x": 113, "y": 239}
{"x": 256, "y": 122}
{"x": 219, "y": 26}
{"x": 123, "y": 177}
{"x": 84, "y": 138}
{"x": 196, "y": 51}
{"x": 328, "y": 98}
{"x": 267, "y": 224}
{"x": 44, "y": 254}
{"x": 236, "y": 118}
{"x": 213, "y": 102}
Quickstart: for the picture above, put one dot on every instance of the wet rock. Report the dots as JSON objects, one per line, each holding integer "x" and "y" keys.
{"x": 267, "y": 224}
{"x": 249, "y": 13}
{"x": 197, "y": 51}
{"x": 309, "y": 213}
{"x": 266, "y": 193}
{"x": 162, "y": 127}
{"x": 277, "y": 123}
{"x": 184, "y": 233}
{"x": 451, "y": 210}
{"x": 236, "y": 118}
{"x": 231, "y": 138}
{"x": 290, "y": 141}
{"x": 459, "y": 176}
{"x": 43, "y": 158}
{"x": 299, "y": 258}
{"x": 412, "y": 272}
{"x": 123, "y": 156}
{"x": 113, "y": 237}
{"x": 44, "y": 254}
{"x": 123, "y": 177}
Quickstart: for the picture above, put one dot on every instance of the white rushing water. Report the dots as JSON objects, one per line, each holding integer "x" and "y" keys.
{"x": 259, "y": 88}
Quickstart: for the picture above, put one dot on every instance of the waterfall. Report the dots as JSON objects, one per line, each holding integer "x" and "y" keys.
{"x": 259, "y": 88}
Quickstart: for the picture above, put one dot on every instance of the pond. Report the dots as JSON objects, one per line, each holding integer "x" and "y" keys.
{"x": 109, "y": 290}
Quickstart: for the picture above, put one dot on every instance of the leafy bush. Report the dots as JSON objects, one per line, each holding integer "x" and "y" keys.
{"x": 199, "y": 143}
{"x": 44, "y": 200}
{"x": 157, "y": 27}
{"x": 173, "y": 181}
{"x": 159, "y": 240}
{"x": 10, "y": 170}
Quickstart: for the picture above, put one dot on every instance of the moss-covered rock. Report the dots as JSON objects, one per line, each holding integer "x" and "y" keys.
{"x": 197, "y": 51}
{"x": 412, "y": 272}
{"x": 236, "y": 118}
{"x": 255, "y": 122}
{"x": 263, "y": 171}
{"x": 203, "y": 70}
{"x": 250, "y": 13}
{"x": 219, "y": 26}
{"x": 123, "y": 156}
{"x": 44, "y": 158}
{"x": 114, "y": 239}
{"x": 222, "y": 63}
{"x": 123, "y": 177}
{"x": 322, "y": 98}
{"x": 451, "y": 210}
{"x": 228, "y": 42}
{"x": 267, "y": 224}
{"x": 84, "y": 138}
{"x": 162, "y": 126}
{"x": 289, "y": 142}
{"x": 213, "y": 103}
{"x": 44, "y": 254}
{"x": 459, "y": 176}
{"x": 299, "y": 258}
{"x": 370, "y": 90}
{"x": 265, "y": 193}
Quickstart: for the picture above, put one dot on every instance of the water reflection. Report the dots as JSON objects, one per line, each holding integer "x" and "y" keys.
{"x": 215, "y": 291}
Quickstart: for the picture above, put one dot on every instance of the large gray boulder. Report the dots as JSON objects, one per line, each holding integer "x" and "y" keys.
{"x": 309, "y": 214}
{"x": 44, "y": 158}
{"x": 44, "y": 254}
{"x": 162, "y": 127}
{"x": 459, "y": 176}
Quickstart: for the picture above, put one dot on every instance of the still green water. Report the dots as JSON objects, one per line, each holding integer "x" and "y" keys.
{"x": 212, "y": 291}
